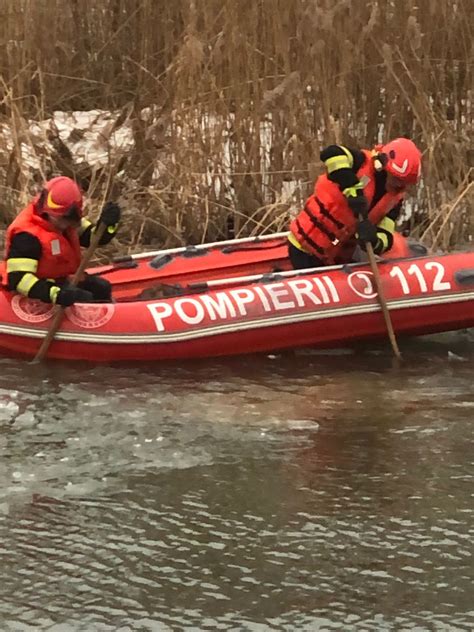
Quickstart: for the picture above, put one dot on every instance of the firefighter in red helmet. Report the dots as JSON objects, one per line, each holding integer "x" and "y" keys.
{"x": 357, "y": 199}
{"x": 43, "y": 246}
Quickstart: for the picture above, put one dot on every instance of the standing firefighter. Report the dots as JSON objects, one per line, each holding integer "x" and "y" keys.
{"x": 359, "y": 198}
{"x": 43, "y": 246}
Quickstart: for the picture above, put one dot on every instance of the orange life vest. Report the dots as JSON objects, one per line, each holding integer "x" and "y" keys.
{"x": 61, "y": 252}
{"x": 326, "y": 224}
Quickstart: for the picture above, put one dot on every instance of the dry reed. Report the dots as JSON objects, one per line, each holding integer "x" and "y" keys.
{"x": 239, "y": 96}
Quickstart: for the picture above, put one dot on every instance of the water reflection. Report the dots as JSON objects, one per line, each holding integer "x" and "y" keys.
{"x": 269, "y": 493}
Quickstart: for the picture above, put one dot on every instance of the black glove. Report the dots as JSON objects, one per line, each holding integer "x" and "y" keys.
{"x": 110, "y": 214}
{"x": 359, "y": 205}
{"x": 367, "y": 232}
{"x": 69, "y": 295}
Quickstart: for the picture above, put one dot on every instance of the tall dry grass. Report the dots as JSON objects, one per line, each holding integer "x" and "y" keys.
{"x": 242, "y": 94}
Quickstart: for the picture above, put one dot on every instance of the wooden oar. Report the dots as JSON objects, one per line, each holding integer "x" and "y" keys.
{"x": 58, "y": 316}
{"x": 381, "y": 298}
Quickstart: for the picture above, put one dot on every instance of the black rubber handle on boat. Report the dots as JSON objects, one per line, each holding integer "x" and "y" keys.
{"x": 465, "y": 276}
{"x": 58, "y": 316}
{"x": 199, "y": 286}
{"x": 122, "y": 259}
{"x": 125, "y": 265}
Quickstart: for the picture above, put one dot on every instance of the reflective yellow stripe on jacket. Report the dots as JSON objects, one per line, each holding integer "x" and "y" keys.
{"x": 20, "y": 264}
{"x": 26, "y": 282}
{"x": 385, "y": 229}
{"x": 340, "y": 162}
{"x": 292, "y": 239}
{"x": 26, "y": 266}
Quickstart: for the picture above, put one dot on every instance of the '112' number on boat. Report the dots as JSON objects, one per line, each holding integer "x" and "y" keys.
{"x": 437, "y": 283}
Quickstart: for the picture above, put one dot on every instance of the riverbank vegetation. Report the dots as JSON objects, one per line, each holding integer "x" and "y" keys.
{"x": 226, "y": 104}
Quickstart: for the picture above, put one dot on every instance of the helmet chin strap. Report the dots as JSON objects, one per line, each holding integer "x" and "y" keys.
{"x": 46, "y": 216}
{"x": 39, "y": 202}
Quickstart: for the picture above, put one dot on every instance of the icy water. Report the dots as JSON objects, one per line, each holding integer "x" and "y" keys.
{"x": 290, "y": 492}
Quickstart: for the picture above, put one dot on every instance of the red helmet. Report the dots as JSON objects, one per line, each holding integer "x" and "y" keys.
{"x": 402, "y": 158}
{"x": 61, "y": 197}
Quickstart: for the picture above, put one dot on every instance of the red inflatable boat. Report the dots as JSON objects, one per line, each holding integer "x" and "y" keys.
{"x": 241, "y": 296}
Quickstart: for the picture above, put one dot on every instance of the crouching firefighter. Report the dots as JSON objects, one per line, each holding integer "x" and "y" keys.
{"x": 358, "y": 199}
{"x": 43, "y": 246}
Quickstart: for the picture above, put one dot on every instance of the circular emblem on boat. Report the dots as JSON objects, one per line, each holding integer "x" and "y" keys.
{"x": 361, "y": 284}
{"x": 31, "y": 310}
{"x": 90, "y": 316}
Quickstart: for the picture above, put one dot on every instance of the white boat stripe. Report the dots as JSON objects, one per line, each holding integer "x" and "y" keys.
{"x": 232, "y": 326}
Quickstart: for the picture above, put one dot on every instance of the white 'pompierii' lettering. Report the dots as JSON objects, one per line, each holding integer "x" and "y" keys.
{"x": 303, "y": 287}
{"x": 263, "y": 297}
{"x": 232, "y": 303}
{"x": 242, "y": 297}
{"x": 275, "y": 291}
{"x": 322, "y": 288}
{"x": 159, "y": 312}
{"x": 219, "y": 305}
{"x": 332, "y": 289}
{"x": 196, "y": 307}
